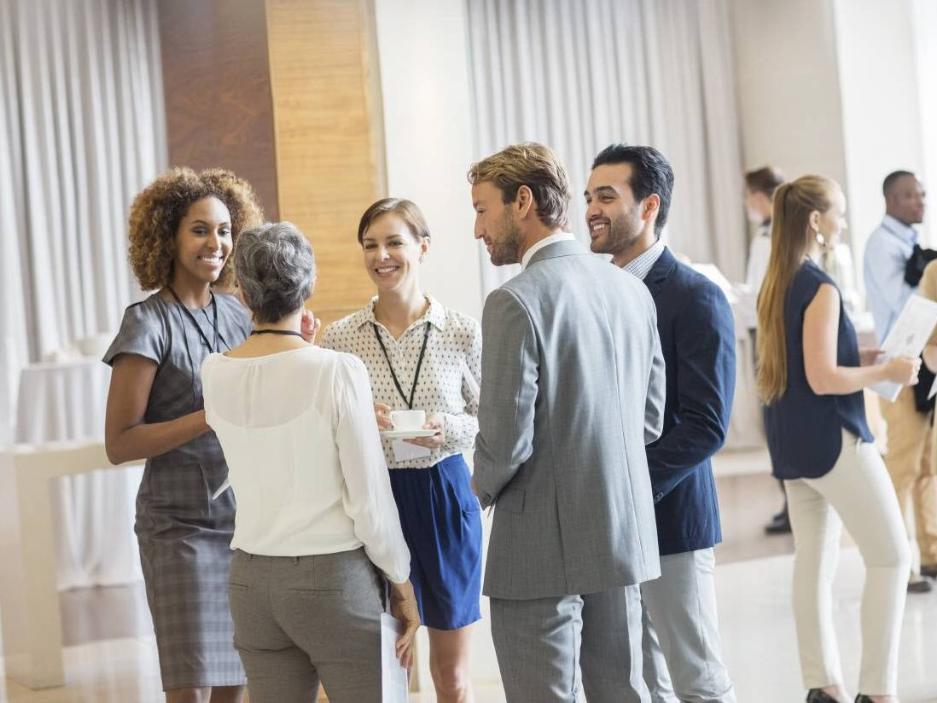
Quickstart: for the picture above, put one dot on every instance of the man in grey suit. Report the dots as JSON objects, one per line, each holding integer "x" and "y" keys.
{"x": 572, "y": 390}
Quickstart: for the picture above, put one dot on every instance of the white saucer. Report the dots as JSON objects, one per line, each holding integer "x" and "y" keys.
{"x": 407, "y": 434}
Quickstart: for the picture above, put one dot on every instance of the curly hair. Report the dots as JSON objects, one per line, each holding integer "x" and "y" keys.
{"x": 158, "y": 209}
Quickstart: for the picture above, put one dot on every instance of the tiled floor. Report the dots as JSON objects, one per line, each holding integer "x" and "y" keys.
{"x": 111, "y": 654}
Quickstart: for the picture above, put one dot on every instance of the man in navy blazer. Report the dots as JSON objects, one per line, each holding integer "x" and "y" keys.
{"x": 628, "y": 197}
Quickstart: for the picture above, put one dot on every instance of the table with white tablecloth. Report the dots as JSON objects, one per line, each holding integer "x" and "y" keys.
{"x": 96, "y": 546}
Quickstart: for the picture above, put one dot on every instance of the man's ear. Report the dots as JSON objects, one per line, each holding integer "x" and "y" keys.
{"x": 650, "y": 207}
{"x": 524, "y": 201}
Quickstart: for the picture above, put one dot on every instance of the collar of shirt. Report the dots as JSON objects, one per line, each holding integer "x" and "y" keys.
{"x": 435, "y": 315}
{"x": 642, "y": 265}
{"x": 546, "y": 241}
{"x": 900, "y": 229}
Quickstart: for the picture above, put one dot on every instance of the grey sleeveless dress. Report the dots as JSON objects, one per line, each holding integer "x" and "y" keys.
{"x": 184, "y": 535}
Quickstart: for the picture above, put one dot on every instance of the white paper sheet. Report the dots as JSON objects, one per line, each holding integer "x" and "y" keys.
{"x": 907, "y": 337}
{"x": 393, "y": 676}
{"x": 404, "y": 451}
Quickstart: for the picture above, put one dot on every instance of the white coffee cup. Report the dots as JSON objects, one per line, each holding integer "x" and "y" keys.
{"x": 408, "y": 419}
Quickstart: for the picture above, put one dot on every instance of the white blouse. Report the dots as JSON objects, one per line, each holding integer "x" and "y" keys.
{"x": 449, "y": 377}
{"x": 304, "y": 456}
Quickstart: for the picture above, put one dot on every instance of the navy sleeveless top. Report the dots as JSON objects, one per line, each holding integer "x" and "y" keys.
{"x": 805, "y": 430}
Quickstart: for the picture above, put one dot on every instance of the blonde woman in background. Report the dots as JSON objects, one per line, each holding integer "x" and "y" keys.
{"x": 811, "y": 375}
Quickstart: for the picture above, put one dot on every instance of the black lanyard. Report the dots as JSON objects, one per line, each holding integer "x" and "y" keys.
{"x": 214, "y": 323}
{"x": 419, "y": 365}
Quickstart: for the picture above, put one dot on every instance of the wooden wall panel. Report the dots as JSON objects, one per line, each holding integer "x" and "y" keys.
{"x": 328, "y": 135}
{"x": 216, "y": 80}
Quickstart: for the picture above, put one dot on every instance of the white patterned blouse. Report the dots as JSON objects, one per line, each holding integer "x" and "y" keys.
{"x": 449, "y": 378}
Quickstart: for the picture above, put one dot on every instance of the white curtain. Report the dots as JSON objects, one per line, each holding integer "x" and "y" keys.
{"x": 579, "y": 76}
{"x": 81, "y": 131}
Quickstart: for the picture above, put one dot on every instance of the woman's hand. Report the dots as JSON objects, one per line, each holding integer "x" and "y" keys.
{"x": 435, "y": 422}
{"x": 382, "y": 413}
{"x": 868, "y": 356}
{"x": 403, "y": 607}
{"x": 309, "y": 326}
{"x": 903, "y": 370}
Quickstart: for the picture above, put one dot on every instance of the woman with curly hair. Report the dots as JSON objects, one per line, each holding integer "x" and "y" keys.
{"x": 183, "y": 227}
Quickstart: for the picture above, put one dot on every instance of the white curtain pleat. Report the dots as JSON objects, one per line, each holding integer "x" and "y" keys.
{"x": 14, "y": 346}
{"x": 579, "y": 76}
{"x": 82, "y": 130}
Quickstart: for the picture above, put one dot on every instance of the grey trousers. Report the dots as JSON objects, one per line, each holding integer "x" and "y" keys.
{"x": 302, "y": 620}
{"x": 681, "y": 632}
{"x": 549, "y": 648}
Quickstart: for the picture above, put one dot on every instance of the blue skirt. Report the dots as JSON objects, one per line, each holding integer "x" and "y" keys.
{"x": 441, "y": 521}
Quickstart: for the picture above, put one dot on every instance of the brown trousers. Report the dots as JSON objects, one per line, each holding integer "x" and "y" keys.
{"x": 909, "y": 464}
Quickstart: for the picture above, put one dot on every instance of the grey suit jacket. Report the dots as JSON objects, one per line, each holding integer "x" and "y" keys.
{"x": 572, "y": 389}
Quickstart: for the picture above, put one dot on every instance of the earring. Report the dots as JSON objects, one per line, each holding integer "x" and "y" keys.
{"x": 821, "y": 240}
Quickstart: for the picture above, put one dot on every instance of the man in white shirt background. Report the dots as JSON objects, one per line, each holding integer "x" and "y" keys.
{"x": 886, "y": 255}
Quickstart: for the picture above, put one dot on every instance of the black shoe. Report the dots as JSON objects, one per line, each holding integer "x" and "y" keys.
{"x": 862, "y": 698}
{"x": 816, "y": 695}
{"x": 929, "y": 570}
{"x": 780, "y": 525}
{"x": 919, "y": 586}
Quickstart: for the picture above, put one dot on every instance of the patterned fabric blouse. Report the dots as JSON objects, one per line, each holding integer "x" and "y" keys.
{"x": 449, "y": 378}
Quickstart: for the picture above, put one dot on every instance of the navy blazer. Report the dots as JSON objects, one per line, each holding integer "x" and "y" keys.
{"x": 697, "y": 336}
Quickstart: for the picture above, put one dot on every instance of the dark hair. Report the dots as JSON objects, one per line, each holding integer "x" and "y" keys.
{"x": 651, "y": 174}
{"x": 528, "y": 164}
{"x": 893, "y": 178}
{"x": 275, "y": 268}
{"x": 406, "y": 210}
{"x": 764, "y": 180}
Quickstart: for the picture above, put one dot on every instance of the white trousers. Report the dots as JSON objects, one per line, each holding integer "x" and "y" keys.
{"x": 681, "y": 632}
{"x": 856, "y": 492}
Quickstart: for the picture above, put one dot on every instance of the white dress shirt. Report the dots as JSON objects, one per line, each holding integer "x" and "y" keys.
{"x": 304, "y": 456}
{"x": 759, "y": 252}
{"x": 546, "y": 241}
{"x": 449, "y": 379}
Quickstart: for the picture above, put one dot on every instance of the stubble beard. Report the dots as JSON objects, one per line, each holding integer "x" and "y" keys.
{"x": 506, "y": 250}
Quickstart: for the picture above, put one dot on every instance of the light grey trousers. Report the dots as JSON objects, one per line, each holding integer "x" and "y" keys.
{"x": 302, "y": 620}
{"x": 681, "y": 632}
{"x": 549, "y": 648}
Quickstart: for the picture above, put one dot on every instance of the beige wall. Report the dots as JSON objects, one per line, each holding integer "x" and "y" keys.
{"x": 831, "y": 87}
{"x": 789, "y": 97}
{"x": 882, "y": 131}
{"x": 428, "y": 135}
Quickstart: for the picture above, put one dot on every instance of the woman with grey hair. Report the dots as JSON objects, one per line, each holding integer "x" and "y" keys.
{"x": 315, "y": 512}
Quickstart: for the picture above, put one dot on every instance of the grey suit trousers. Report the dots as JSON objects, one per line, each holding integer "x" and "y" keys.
{"x": 550, "y": 648}
{"x": 302, "y": 620}
{"x": 680, "y": 615}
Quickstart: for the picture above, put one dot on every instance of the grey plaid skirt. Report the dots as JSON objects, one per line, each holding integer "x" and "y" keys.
{"x": 184, "y": 539}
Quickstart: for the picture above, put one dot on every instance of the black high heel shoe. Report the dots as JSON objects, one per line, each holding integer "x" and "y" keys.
{"x": 816, "y": 695}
